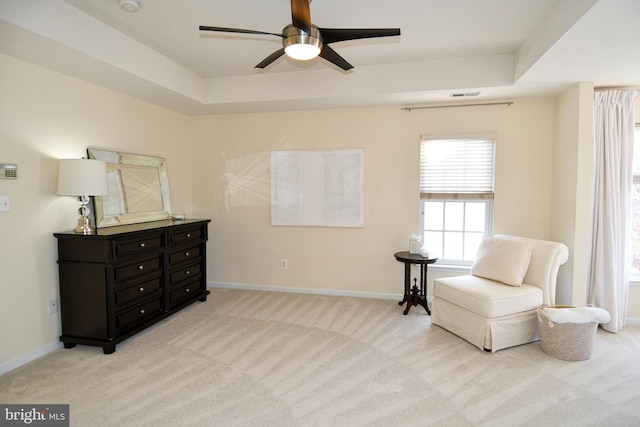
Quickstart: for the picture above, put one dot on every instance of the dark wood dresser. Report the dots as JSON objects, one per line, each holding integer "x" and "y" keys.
{"x": 123, "y": 279}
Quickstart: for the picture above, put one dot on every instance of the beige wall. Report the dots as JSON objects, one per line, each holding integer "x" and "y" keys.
{"x": 572, "y": 188}
{"x": 219, "y": 169}
{"x": 45, "y": 116}
{"x": 232, "y": 187}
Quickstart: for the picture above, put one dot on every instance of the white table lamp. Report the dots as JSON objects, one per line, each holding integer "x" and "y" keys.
{"x": 83, "y": 178}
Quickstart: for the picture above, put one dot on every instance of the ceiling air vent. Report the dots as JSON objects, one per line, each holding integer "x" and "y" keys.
{"x": 464, "y": 94}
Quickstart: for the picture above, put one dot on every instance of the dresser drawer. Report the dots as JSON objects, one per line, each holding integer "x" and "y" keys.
{"x": 140, "y": 267}
{"x": 139, "y": 290}
{"x": 183, "y": 255}
{"x": 185, "y": 273}
{"x": 184, "y": 235}
{"x": 139, "y": 245}
{"x": 139, "y": 313}
{"x": 184, "y": 292}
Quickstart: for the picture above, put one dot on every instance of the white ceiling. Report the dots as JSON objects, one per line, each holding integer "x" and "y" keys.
{"x": 501, "y": 48}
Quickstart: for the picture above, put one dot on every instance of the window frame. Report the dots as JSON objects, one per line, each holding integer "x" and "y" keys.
{"x": 456, "y": 197}
{"x": 488, "y": 227}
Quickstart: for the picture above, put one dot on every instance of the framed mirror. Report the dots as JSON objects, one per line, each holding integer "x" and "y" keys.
{"x": 138, "y": 189}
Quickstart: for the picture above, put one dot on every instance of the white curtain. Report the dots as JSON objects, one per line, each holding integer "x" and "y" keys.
{"x": 608, "y": 278}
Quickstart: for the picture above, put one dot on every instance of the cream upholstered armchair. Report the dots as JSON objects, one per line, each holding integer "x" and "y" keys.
{"x": 495, "y": 306}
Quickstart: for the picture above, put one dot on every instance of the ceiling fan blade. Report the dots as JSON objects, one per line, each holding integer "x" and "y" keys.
{"x": 236, "y": 30}
{"x": 332, "y": 35}
{"x": 269, "y": 59}
{"x": 300, "y": 15}
{"x": 333, "y": 57}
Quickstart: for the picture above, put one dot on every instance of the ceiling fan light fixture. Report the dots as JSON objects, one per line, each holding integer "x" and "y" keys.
{"x": 300, "y": 45}
{"x": 302, "y": 52}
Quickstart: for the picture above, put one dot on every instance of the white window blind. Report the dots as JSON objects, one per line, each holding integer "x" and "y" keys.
{"x": 457, "y": 168}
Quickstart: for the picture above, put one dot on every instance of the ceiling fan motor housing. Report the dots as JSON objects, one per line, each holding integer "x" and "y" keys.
{"x": 303, "y": 41}
{"x": 300, "y": 45}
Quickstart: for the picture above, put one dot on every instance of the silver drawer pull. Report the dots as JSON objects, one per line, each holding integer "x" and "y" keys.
{"x": 142, "y": 245}
{"x": 141, "y": 290}
{"x": 141, "y": 267}
{"x": 188, "y": 234}
{"x": 187, "y": 290}
{"x": 186, "y": 254}
{"x": 188, "y": 272}
{"x": 141, "y": 311}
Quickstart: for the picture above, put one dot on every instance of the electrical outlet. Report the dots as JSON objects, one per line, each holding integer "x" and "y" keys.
{"x": 53, "y": 306}
{"x": 284, "y": 264}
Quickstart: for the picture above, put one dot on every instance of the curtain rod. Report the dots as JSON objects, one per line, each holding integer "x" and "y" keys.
{"x": 508, "y": 103}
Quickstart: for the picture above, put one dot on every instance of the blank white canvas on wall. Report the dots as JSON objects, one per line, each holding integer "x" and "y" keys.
{"x": 318, "y": 187}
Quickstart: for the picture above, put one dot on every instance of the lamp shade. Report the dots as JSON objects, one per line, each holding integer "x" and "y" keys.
{"x": 82, "y": 177}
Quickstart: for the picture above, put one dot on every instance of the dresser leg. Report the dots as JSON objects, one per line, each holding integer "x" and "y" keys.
{"x": 69, "y": 345}
{"x": 109, "y": 348}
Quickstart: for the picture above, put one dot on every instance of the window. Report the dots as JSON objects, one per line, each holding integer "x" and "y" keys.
{"x": 456, "y": 196}
{"x": 635, "y": 206}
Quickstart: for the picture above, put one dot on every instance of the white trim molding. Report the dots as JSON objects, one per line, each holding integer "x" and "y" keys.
{"x": 633, "y": 321}
{"x": 311, "y": 291}
{"x": 29, "y": 357}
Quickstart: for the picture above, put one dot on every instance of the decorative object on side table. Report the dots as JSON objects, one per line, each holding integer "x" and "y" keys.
{"x": 414, "y": 295}
{"x": 83, "y": 178}
{"x": 415, "y": 244}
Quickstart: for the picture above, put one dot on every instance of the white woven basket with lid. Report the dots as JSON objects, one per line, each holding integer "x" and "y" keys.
{"x": 566, "y": 341}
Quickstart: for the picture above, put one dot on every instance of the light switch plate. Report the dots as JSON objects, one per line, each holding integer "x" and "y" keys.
{"x": 4, "y": 204}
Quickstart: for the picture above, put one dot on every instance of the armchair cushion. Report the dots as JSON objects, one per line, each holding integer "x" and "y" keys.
{"x": 502, "y": 260}
{"x": 488, "y": 298}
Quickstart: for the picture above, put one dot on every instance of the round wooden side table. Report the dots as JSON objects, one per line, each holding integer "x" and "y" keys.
{"x": 414, "y": 295}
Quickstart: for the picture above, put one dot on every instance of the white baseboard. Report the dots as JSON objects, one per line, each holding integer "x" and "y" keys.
{"x": 312, "y": 291}
{"x": 633, "y": 321}
{"x": 28, "y": 357}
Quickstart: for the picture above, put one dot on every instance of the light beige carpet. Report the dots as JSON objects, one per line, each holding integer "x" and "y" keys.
{"x": 248, "y": 358}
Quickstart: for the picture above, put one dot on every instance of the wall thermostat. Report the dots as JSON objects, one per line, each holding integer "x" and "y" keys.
{"x": 8, "y": 171}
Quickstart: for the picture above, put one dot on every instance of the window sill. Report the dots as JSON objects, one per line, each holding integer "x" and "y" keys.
{"x": 450, "y": 268}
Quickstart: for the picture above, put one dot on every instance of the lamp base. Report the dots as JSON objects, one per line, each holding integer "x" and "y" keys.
{"x": 84, "y": 226}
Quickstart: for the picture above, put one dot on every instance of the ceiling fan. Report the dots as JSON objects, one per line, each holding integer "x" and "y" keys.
{"x": 303, "y": 40}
